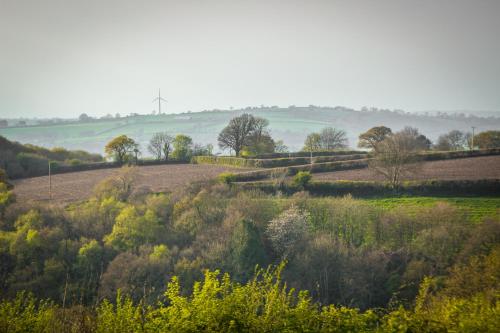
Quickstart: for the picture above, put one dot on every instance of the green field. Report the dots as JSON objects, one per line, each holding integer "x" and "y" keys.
{"x": 477, "y": 208}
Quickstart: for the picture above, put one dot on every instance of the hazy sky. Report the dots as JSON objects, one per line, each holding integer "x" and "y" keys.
{"x": 62, "y": 58}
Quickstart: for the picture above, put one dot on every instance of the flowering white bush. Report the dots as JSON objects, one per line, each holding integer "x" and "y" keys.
{"x": 285, "y": 230}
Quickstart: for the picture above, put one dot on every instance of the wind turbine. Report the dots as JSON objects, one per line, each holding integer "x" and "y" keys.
{"x": 159, "y": 99}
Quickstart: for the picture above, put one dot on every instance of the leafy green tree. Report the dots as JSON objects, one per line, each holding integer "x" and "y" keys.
{"x": 121, "y": 148}
{"x": 371, "y": 138}
{"x": 182, "y": 147}
{"x": 133, "y": 229}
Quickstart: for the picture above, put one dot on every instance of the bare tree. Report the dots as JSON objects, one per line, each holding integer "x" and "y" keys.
{"x": 333, "y": 138}
{"x": 397, "y": 156}
{"x": 160, "y": 145}
{"x": 419, "y": 141}
{"x": 454, "y": 140}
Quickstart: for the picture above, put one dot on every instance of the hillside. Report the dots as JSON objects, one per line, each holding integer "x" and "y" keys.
{"x": 290, "y": 124}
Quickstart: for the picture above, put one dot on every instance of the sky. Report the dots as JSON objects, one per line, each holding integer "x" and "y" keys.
{"x": 61, "y": 58}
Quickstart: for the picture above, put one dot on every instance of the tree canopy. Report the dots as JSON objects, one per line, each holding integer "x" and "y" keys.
{"x": 121, "y": 148}
{"x": 328, "y": 139}
{"x": 246, "y": 132}
{"x": 371, "y": 138}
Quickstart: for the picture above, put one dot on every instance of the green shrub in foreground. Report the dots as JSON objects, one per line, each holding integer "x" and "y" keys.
{"x": 263, "y": 304}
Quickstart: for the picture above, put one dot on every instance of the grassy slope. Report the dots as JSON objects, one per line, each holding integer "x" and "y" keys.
{"x": 478, "y": 208}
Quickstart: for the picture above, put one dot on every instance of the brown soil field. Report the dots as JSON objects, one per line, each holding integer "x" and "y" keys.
{"x": 77, "y": 186}
{"x": 487, "y": 167}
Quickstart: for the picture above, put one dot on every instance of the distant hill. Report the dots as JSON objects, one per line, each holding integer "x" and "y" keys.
{"x": 290, "y": 124}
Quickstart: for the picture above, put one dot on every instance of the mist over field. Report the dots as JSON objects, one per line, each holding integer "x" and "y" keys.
{"x": 291, "y": 124}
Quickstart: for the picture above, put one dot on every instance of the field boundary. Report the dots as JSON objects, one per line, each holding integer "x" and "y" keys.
{"x": 336, "y": 166}
{"x": 58, "y": 169}
{"x": 364, "y": 189}
{"x": 273, "y": 162}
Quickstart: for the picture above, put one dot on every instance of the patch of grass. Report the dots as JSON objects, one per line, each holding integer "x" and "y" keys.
{"x": 478, "y": 208}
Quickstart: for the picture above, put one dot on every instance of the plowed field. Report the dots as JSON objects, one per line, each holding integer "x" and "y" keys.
{"x": 76, "y": 186}
{"x": 487, "y": 167}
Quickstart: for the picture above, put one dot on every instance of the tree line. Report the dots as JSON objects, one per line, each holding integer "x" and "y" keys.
{"x": 247, "y": 135}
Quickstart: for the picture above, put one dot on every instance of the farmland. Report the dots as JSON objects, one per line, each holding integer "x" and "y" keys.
{"x": 475, "y": 208}
{"x": 290, "y": 124}
{"x": 487, "y": 167}
{"x": 76, "y": 186}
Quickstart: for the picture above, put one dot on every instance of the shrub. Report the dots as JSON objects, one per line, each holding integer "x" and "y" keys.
{"x": 286, "y": 230}
{"x": 302, "y": 178}
{"x": 33, "y": 164}
{"x": 74, "y": 162}
{"x": 227, "y": 178}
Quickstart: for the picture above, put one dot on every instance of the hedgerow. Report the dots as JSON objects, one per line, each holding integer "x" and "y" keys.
{"x": 485, "y": 187}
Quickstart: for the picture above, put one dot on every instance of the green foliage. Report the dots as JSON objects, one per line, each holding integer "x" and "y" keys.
{"x": 28, "y": 160}
{"x": 33, "y": 163}
{"x": 133, "y": 229}
{"x": 7, "y": 197}
{"x": 329, "y": 139}
{"x": 121, "y": 149}
{"x": 225, "y": 160}
{"x": 26, "y": 314}
{"x": 371, "y": 138}
{"x": 272, "y": 162}
{"x": 263, "y": 304}
{"x": 227, "y": 178}
{"x": 247, "y": 250}
{"x": 302, "y": 178}
{"x": 123, "y": 316}
{"x": 182, "y": 147}
{"x": 370, "y": 255}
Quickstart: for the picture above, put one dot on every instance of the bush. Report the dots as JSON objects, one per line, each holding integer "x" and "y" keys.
{"x": 74, "y": 162}
{"x": 227, "y": 178}
{"x": 302, "y": 178}
{"x": 33, "y": 164}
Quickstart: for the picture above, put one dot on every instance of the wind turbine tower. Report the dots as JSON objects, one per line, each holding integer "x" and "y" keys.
{"x": 159, "y": 99}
